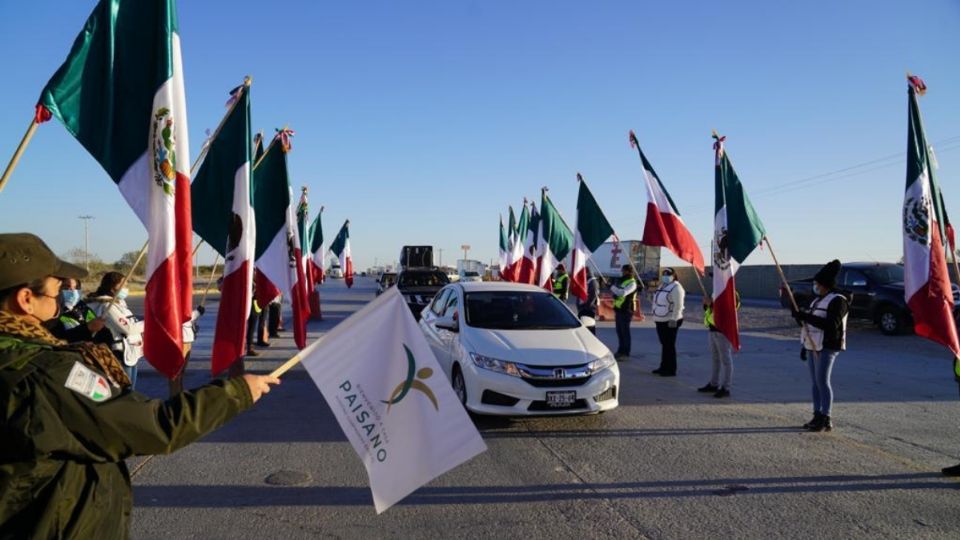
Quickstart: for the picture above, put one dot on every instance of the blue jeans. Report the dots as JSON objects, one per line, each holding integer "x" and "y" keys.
{"x": 821, "y": 366}
{"x": 131, "y": 372}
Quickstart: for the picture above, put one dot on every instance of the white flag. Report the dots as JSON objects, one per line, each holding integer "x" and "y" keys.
{"x": 391, "y": 398}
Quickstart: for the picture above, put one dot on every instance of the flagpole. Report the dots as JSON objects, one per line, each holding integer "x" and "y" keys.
{"x": 206, "y": 148}
{"x": 265, "y": 152}
{"x": 213, "y": 270}
{"x": 196, "y": 249}
{"x": 287, "y": 365}
{"x": 793, "y": 301}
{"x": 19, "y": 152}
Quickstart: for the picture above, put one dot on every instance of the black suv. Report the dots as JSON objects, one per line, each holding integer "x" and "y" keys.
{"x": 875, "y": 292}
{"x": 419, "y": 285}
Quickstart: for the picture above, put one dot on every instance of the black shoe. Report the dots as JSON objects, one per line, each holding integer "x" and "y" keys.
{"x": 824, "y": 425}
{"x": 722, "y": 393}
{"x": 263, "y": 344}
{"x": 657, "y": 371}
{"x": 951, "y": 471}
{"x": 274, "y": 334}
{"x": 814, "y": 421}
{"x": 708, "y": 388}
{"x": 621, "y": 356}
{"x": 252, "y": 352}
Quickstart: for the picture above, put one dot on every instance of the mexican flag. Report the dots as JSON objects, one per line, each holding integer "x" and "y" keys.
{"x": 303, "y": 232}
{"x": 925, "y": 277}
{"x": 511, "y": 260}
{"x": 519, "y": 243}
{"x": 224, "y": 219}
{"x": 341, "y": 250}
{"x": 593, "y": 229}
{"x": 664, "y": 227}
{"x": 737, "y": 232}
{"x": 316, "y": 249}
{"x": 120, "y": 93}
{"x": 503, "y": 249}
{"x": 554, "y": 243}
{"x": 528, "y": 265}
{"x": 278, "y": 244}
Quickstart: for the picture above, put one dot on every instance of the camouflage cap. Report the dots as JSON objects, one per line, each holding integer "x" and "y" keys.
{"x": 24, "y": 257}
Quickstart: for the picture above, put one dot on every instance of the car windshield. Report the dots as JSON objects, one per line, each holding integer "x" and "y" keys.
{"x": 517, "y": 310}
{"x": 885, "y": 274}
{"x": 423, "y": 279}
{"x": 471, "y": 274}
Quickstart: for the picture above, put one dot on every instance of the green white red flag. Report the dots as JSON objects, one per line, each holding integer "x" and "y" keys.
{"x": 554, "y": 242}
{"x": 926, "y": 279}
{"x": 528, "y": 266}
{"x": 341, "y": 250}
{"x": 278, "y": 243}
{"x": 303, "y": 232}
{"x": 120, "y": 92}
{"x": 225, "y": 221}
{"x": 317, "y": 251}
{"x": 503, "y": 249}
{"x": 517, "y": 254}
{"x": 593, "y": 230}
{"x": 737, "y": 232}
{"x": 663, "y": 226}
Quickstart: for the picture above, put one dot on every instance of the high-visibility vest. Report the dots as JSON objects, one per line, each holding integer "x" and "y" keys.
{"x": 560, "y": 285}
{"x": 619, "y": 301}
{"x": 708, "y": 312}
{"x": 70, "y": 323}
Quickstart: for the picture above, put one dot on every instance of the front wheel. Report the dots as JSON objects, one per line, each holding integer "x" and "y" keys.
{"x": 459, "y": 385}
{"x": 890, "y": 321}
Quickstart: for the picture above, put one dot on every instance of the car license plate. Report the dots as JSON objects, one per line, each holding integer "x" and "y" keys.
{"x": 561, "y": 399}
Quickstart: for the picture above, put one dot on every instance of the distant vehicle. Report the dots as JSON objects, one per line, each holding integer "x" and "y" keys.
{"x": 416, "y": 257}
{"x": 515, "y": 349}
{"x": 470, "y": 270}
{"x": 419, "y": 285}
{"x": 335, "y": 271}
{"x": 387, "y": 280}
{"x": 611, "y": 256}
{"x": 875, "y": 292}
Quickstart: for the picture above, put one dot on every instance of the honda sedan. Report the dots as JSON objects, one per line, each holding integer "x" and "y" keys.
{"x": 514, "y": 349}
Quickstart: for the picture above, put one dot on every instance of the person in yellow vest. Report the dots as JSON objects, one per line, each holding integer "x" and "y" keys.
{"x": 624, "y": 306}
{"x": 721, "y": 350}
{"x": 77, "y": 322}
{"x": 561, "y": 283}
{"x": 668, "y": 316}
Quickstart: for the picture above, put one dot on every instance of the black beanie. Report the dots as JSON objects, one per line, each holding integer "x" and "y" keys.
{"x": 827, "y": 276}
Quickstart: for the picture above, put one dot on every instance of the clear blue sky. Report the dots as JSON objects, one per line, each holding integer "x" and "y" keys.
{"x": 421, "y": 121}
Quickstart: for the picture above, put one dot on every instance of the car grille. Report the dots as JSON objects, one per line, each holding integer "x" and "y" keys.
{"x": 555, "y": 383}
{"x": 609, "y": 393}
{"x": 555, "y": 376}
{"x": 543, "y": 406}
{"x": 496, "y": 398}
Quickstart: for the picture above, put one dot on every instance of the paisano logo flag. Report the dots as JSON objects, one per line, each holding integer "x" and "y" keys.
{"x": 593, "y": 229}
{"x": 341, "y": 250}
{"x": 737, "y": 232}
{"x": 224, "y": 219}
{"x": 278, "y": 256}
{"x": 503, "y": 249}
{"x": 925, "y": 278}
{"x": 120, "y": 93}
{"x": 391, "y": 399}
{"x": 664, "y": 227}
{"x": 528, "y": 265}
{"x": 554, "y": 243}
{"x": 316, "y": 249}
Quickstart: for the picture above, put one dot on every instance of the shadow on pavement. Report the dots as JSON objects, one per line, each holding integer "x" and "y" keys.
{"x": 181, "y": 496}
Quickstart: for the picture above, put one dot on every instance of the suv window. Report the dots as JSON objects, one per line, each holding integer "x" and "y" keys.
{"x": 427, "y": 278}
{"x": 854, "y": 278}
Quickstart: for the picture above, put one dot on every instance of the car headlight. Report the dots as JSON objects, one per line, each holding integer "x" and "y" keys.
{"x": 602, "y": 363}
{"x": 493, "y": 364}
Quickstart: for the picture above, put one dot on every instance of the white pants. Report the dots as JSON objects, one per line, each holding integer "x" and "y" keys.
{"x": 722, "y": 353}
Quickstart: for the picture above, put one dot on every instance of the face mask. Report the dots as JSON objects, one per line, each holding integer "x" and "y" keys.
{"x": 816, "y": 290}
{"x": 666, "y": 280}
{"x": 70, "y": 298}
{"x": 122, "y": 293}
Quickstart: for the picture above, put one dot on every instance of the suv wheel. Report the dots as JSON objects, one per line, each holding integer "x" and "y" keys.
{"x": 459, "y": 385}
{"x": 889, "y": 321}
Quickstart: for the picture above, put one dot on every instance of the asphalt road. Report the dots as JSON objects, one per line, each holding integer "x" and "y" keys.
{"x": 668, "y": 463}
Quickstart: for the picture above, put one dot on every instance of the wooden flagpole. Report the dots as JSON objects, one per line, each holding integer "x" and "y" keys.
{"x": 247, "y": 81}
{"x": 793, "y": 301}
{"x": 213, "y": 270}
{"x": 19, "y": 152}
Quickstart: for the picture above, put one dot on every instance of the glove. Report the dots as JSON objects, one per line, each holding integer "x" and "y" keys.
{"x": 797, "y": 316}
{"x": 201, "y": 310}
{"x": 672, "y": 324}
{"x": 803, "y": 354}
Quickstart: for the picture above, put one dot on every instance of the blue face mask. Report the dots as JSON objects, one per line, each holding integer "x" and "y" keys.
{"x": 123, "y": 293}
{"x": 816, "y": 290}
{"x": 70, "y": 298}
{"x": 666, "y": 280}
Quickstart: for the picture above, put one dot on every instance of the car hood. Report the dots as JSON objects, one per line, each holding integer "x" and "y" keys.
{"x": 535, "y": 347}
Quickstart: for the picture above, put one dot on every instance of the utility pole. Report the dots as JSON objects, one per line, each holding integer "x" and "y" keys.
{"x": 465, "y": 248}
{"x": 440, "y": 259}
{"x": 86, "y": 241}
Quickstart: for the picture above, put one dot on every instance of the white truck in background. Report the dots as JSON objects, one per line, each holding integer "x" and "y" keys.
{"x": 470, "y": 270}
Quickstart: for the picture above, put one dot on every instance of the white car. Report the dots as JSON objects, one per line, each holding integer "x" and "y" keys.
{"x": 468, "y": 276}
{"x": 514, "y": 349}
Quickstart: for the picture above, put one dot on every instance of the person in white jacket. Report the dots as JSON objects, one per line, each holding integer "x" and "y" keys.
{"x": 668, "y": 316}
{"x": 109, "y": 303}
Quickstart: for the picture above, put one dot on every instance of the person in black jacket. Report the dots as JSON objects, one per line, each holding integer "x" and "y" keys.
{"x": 77, "y": 322}
{"x": 823, "y": 335}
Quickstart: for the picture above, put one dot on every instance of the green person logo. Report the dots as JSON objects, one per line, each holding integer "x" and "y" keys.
{"x": 412, "y": 381}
